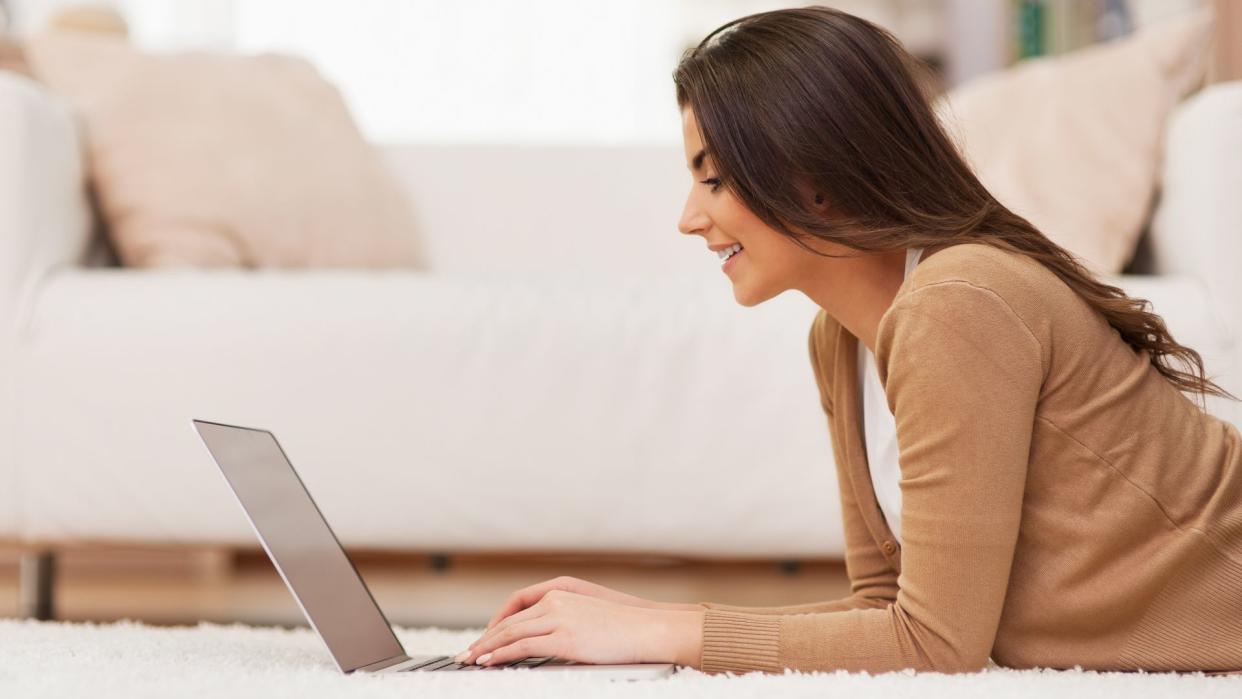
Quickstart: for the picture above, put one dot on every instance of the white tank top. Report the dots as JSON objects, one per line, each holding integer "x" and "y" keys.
{"x": 880, "y": 429}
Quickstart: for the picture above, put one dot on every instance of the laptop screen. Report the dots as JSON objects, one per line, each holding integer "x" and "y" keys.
{"x": 303, "y": 547}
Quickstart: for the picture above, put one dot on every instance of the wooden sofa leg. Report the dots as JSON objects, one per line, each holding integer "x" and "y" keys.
{"x": 37, "y": 583}
{"x": 790, "y": 567}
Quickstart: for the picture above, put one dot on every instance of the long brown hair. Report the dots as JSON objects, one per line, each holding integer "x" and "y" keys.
{"x": 817, "y": 98}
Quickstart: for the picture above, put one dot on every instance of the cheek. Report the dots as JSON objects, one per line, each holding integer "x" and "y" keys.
{"x": 770, "y": 252}
{"x": 774, "y": 259}
{"x": 736, "y": 220}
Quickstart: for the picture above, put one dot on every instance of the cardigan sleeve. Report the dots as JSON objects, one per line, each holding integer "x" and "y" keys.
{"x": 962, "y": 374}
{"x": 873, "y": 582}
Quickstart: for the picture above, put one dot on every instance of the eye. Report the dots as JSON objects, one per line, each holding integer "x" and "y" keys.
{"x": 713, "y": 181}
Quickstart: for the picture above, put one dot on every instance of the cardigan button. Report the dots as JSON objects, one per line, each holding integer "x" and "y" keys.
{"x": 889, "y": 547}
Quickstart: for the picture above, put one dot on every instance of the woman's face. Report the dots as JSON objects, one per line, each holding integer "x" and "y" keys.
{"x": 769, "y": 263}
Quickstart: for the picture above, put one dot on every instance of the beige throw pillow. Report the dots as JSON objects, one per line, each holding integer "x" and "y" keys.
{"x": 204, "y": 159}
{"x": 1073, "y": 143}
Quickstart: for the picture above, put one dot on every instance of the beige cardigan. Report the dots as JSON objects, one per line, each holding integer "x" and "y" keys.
{"x": 1063, "y": 503}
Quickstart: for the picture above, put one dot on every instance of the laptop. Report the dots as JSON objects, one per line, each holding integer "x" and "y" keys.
{"x": 321, "y": 576}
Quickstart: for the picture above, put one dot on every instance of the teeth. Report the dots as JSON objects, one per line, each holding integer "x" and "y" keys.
{"x": 730, "y": 251}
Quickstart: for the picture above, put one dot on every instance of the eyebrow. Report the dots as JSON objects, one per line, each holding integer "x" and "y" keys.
{"x": 697, "y": 161}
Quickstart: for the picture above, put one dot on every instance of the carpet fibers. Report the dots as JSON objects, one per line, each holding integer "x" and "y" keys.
{"x": 134, "y": 660}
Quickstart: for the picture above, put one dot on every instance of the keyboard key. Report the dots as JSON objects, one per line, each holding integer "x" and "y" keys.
{"x": 432, "y": 667}
{"x": 440, "y": 659}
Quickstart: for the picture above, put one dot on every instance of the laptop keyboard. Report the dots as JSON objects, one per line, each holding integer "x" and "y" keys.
{"x": 446, "y": 663}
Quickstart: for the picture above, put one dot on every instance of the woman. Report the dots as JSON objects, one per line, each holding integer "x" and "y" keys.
{"x": 1058, "y": 501}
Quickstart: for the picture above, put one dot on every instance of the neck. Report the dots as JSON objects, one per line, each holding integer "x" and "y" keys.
{"x": 856, "y": 291}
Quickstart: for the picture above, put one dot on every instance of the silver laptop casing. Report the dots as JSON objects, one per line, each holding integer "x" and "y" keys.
{"x": 255, "y": 463}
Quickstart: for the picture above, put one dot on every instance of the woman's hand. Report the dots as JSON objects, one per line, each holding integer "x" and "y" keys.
{"x": 587, "y": 629}
{"x": 529, "y": 596}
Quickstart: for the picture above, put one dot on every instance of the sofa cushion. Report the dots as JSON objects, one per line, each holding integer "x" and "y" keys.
{"x": 1073, "y": 143}
{"x": 223, "y": 160}
{"x": 428, "y": 412}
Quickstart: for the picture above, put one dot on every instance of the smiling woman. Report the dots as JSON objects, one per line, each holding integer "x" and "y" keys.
{"x": 1062, "y": 501}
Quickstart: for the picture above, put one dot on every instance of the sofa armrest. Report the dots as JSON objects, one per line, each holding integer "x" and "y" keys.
{"x": 1196, "y": 230}
{"x": 45, "y": 222}
{"x": 44, "y": 209}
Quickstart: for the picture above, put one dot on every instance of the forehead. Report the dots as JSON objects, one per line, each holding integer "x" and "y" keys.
{"x": 689, "y": 126}
{"x": 691, "y": 138}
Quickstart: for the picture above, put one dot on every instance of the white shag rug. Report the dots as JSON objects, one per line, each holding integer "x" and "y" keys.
{"x": 134, "y": 660}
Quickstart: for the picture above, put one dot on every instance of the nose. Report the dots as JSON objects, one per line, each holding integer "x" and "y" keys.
{"x": 694, "y": 220}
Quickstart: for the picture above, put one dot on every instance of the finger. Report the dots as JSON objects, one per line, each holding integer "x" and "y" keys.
{"x": 532, "y": 594}
{"x": 518, "y": 601}
{"x": 531, "y": 647}
{"x": 511, "y": 634}
{"x": 532, "y": 612}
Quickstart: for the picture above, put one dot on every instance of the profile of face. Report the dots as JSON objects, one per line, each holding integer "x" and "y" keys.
{"x": 767, "y": 263}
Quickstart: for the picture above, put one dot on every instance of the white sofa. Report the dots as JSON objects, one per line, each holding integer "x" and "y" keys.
{"x": 572, "y": 375}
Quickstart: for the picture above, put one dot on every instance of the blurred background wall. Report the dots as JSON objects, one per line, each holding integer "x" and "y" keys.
{"x": 418, "y": 71}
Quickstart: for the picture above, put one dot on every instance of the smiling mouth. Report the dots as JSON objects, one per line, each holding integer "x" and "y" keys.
{"x": 729, "y": 252}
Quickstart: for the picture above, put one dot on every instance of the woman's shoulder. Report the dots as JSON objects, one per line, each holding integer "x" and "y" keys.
{"x": 979, "y": 264}
{"x": 1025, "y": 285}
{"x": 998, "y": 299}
{"x": 970, "y": 305}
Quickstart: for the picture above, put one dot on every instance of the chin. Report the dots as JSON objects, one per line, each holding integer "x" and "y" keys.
{"x": 749, "y": 298}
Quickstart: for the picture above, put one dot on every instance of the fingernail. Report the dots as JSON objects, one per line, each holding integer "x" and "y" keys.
{"x": 461, "y": 656}
{"x": 483, "y": 658}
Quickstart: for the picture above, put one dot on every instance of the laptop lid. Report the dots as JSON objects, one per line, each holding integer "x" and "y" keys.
{"x": 302, "y": 546}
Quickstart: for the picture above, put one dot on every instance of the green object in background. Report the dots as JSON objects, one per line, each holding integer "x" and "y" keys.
{"x": 1031, "y": 38}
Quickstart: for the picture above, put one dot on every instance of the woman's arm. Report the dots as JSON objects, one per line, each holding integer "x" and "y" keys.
{"x": 963, "y": 378}
{"x": 836, "y": 605}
